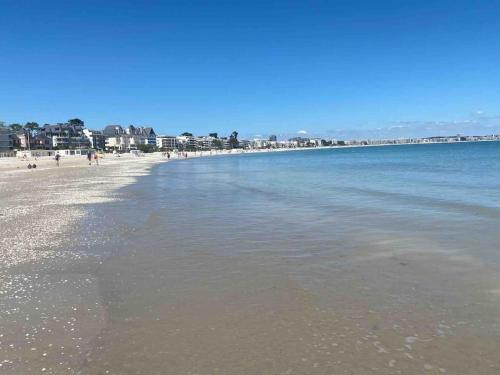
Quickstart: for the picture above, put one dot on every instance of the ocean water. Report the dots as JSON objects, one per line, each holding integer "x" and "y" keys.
{"x": 352, "y": 260}
{"x": 447, "y": 194}
{"x": 333, "y": 261}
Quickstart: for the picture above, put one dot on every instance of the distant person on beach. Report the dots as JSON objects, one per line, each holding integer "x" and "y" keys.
{"x": 96, "y": 158}
{"x": 89, "y": 157}
{"x": 57, "y": 157}
{"x": 168, "y": 155}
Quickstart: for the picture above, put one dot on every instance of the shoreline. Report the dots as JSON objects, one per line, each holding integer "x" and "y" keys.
{"x": 10, "y": 164}
{"x": 77, "y": 166}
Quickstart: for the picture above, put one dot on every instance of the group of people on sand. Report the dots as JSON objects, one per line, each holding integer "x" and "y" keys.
{"x": 179, "y": 155}
{"x": 90, "y": 156}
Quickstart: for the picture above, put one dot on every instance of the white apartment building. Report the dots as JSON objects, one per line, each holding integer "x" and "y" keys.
{"x": 187, "y": 141}
{"x": 120, "y": 142}
{"x": 260, "y": 143}
{"x": 166, "y": 141}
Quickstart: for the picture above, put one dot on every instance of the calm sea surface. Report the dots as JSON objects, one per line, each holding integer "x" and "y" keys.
{"x": 303, "y": 203}
{"x": 352, "y": 260}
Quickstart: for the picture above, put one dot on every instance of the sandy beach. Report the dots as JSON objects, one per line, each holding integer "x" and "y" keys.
{"x": 108, "y": 270}
{"x": 40, "y": 210}
{"x": 40, "y": 205}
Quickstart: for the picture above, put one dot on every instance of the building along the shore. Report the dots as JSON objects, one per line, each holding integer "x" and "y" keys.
{"x": 142, "y": 135}
{"x": 116, "y": 138}
{"x": 6, "y": 140}
{"x": 65, "y": 135}
{"x": 187, "y": 142}
{"x": 96, "y": 138}
{"x": 167, "y": 142}
{"x": 120, "y": 139}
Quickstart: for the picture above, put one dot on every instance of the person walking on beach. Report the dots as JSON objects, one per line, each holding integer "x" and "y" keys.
{"x": 89, "y": 157}
{"x": 57, "y": 157}
{"x": 96, "y": 158}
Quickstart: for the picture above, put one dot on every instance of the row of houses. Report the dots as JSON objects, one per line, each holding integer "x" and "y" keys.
{"x": 47, "y": 137}
{"x": 189, "y": 142}
{"x": 74, "y": 136}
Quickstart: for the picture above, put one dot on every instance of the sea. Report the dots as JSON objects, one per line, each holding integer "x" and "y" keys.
{"x": 354, "y": 260}
{"x": 312, "y": 203}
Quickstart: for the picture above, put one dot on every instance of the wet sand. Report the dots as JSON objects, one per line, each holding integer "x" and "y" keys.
{"x": 253, "y": 319}
{"x": 116, "y": 285}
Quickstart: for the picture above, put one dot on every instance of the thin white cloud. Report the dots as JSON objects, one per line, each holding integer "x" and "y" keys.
{"x": 477, "y": 125}
{"x": 302, "y": 132}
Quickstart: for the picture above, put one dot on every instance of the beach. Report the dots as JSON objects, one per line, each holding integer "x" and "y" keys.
{"x": 40, "y": 210}
{"x": 266, "y": 263}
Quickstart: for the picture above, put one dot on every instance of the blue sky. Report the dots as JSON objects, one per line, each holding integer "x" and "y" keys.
{"x": 338, "y": 68}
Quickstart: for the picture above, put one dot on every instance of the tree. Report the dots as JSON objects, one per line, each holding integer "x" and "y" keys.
{"x": 186, "y": 134}
{"x": 32, "y": 127}
{"x": 217, "y": 143}
{"x": 146, "y": 148}
{"x": 15, "y": 127}
{"x": 76, "y": 122}
{"x": 213, "y": 135}
{"x": 233, "y": 140}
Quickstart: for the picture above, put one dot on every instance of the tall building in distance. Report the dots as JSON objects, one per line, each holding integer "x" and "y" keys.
{"x": 6, "y": 140}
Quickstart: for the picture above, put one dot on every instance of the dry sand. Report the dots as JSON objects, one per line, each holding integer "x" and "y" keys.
{"x": 38, "y": 207}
